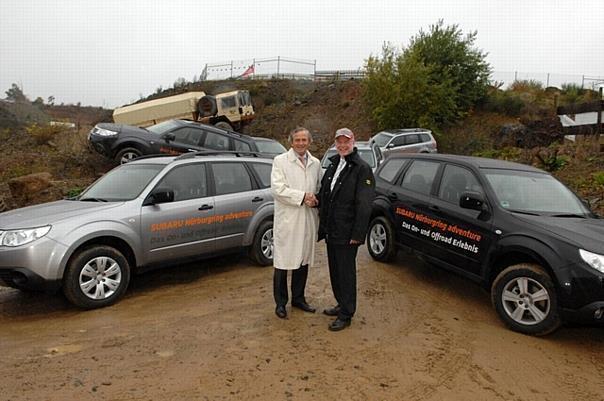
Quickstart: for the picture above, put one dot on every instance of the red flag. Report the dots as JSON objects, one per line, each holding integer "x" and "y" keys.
{"x": 248, "y": 72}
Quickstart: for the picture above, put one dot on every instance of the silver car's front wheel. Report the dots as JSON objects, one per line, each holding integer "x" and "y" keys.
{"x": 100, "y": 278}
{"x": 96, "y": 276}
{"x": 266, "y": 244}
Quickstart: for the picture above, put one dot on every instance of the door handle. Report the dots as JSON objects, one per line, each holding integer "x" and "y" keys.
{"x": 392, "y": 196}
{"x": 257, "y": 199}
{"x": 435, "y": 208}
{"x": 206, "y": 207}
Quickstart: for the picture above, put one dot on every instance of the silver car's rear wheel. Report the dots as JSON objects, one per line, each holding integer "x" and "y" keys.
{"x": 261, "y": 250}
{"x": 266, "y": 244}
{"x": 100, "y": 278}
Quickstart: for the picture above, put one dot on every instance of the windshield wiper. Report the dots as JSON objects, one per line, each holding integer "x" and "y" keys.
{"x": 580, "y": 216}
{"x": 93, "y": 200}
{"x": 523, "y": 212}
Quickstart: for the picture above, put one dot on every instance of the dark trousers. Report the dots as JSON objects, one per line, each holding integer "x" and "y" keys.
{"x": 299, "y": 277}
{"x": 343, "y": 276}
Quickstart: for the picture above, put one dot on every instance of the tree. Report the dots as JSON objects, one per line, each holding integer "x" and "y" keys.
{"x": 16, "y": 94}
{"x": 432, "y": 83}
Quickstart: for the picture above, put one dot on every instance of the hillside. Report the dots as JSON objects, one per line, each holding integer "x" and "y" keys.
{"x": 524, "y": 130}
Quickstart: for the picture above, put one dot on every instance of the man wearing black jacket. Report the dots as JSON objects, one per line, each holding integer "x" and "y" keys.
{"x": 347, "y": 191}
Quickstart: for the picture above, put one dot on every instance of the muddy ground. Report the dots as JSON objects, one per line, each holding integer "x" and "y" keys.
{"x": 207, "y": 331}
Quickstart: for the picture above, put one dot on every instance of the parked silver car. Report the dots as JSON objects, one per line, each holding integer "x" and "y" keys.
{"x": 368, "y": 151}
{"x": 405, "y": 140}
{"x": 151, "y": 211}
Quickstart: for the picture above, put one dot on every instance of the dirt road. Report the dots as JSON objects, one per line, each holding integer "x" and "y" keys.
{"x": 208, "y": 332}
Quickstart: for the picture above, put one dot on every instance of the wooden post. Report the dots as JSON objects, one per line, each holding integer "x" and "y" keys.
{"x": 278, "y": 62}
{"x": 599, "y": 121}
{"x": 231, "y": 68}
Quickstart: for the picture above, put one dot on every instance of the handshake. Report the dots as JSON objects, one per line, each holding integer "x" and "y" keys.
{"x": 310, "y": 199}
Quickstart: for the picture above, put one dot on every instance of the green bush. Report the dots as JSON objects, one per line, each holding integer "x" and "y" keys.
{"x": 503, "y": 102}
{"x": 43, "y": 133}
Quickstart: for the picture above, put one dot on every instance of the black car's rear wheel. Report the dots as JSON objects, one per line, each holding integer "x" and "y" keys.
{"x": 525, "y": 299}
{"x": 380, "y": 240}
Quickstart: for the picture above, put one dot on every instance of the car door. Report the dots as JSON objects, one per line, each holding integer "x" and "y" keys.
{"x": 186, "y": 226}
{"x": 237, "y": 198}
{"x": 185, "y": 139}
{"x": 411, "y": 200}
{"x": 465, "y": 240}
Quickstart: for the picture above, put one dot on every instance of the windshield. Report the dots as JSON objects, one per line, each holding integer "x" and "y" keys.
{"x": 531, "y": 192}
{"x": 270, "y": 147}
{"x": 382, "y": 138}
{"x": 163, "y": 127}
{"x": 365, "y": 154}
{"x": 122, "y": 183}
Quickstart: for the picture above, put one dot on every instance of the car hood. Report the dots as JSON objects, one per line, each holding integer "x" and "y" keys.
{"x": 585, "y": 233}
{"x": 49, "y": 213}
{"x": 128, "y": 130}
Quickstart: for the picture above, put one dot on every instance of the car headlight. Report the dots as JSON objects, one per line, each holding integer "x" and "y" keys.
{"x": 593, "y": 259}
{"x": 103, "y": 132}
{"x": 21, "y": 237}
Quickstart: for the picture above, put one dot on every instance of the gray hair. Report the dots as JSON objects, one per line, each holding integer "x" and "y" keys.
{"x": 299, "y": 129}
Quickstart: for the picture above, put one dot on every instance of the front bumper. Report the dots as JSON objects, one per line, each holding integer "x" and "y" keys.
{"x": 582, "y": 293}
{"x": 37, "y": 265}
{"x": 102, "y": 144}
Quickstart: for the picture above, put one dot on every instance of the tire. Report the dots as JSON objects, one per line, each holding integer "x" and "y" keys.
{"x": 206, "y": 107}
{"x": 261, "y": 250}
{"x": 525, "y": 299}
{"x": 380, "y": 240}
{"x": 223, "y": 125}
{"x": 127, "y": 154}
{"x": 102, "y": 263}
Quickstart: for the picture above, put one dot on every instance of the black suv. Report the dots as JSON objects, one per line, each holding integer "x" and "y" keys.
{"x": 511, "y": 227}
{"x": 123, "y": 143}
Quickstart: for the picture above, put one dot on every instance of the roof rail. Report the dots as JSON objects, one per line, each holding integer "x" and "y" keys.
{"x": 153, "y": 155}
{"x": 217, "y": 153}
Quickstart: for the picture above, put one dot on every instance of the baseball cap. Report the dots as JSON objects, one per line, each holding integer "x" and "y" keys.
{"x": 344, "y": 131}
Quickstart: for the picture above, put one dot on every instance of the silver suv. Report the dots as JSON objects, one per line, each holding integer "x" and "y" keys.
{"x": 152, "y": 211}
{"x": 405, "y": 140}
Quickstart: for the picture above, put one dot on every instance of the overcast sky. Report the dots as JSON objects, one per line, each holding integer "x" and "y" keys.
{"x": 109, "y": 52}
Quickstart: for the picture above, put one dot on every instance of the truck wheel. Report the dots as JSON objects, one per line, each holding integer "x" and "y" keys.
{"x": 127, "y": 154}
{"x": 261, "y": 250}
{"x": 206, "y": 107}
{"x": 525, "y": 299}
{"x": 96, "y": 277}
{"x": 380, "y": 240}
{"x": 223, "y": 125}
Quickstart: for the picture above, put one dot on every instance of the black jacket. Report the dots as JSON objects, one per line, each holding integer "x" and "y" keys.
{"x": 344, "y": 213}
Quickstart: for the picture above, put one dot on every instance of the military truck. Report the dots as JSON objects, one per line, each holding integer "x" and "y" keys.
{"x": 229, "y": 110}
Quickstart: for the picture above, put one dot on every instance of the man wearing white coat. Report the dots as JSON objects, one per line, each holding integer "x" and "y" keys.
{"x": 295, "y": 179}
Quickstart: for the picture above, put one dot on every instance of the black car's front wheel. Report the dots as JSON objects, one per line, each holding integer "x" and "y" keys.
{"x": 380, "y": 239}
{"x": 525, "y": 299}
{"x": 96, "y": 277}
{"x": 127, "y": 154}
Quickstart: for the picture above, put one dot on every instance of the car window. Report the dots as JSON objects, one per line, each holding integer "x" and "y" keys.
{"x": 187, "y": 182}
{"x": 326, "y": 162}
{"x": 164, "y": 126}
{"x": 425, "y": 137}
{"x": 188, "y": 136}
{"x": 228, "y": 102}
{"x": 420, "y": 176}
{"x": 398, "y": 141}
{"x": 270, "y": 147}
{"x": 382, "y": 138}
{"x": 411, "y": 139}
{"x": 367, "y": 156}
{"x": 242, "y": 146}
{"x": 230, "y": 178}
{"x": 216, "y": 141}
{"x": 391, "y": 169}
{"x": 455, "y": 181}
{"x": 263, "y": 170}
{"x": 122, "y": 183}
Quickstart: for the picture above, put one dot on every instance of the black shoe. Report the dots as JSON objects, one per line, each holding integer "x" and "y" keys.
{"x": 339, "y": 324}
{"x": 332, "y": 311}
{"x": 280, "y": 311}
{"x": 304, "y": 306}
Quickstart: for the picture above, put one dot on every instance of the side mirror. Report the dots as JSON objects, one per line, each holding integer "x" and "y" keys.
{"x": 472, "y": 201}
{"x": 168, "y": 137}
{"x": 389, "y": 146}
{"x": 159, "y": 195}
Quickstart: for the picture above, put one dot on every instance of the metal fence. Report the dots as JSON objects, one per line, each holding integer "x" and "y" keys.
{"x": 291, "y": 68}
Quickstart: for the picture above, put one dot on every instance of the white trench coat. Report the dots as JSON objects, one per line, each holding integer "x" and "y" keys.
{"x": 295, "y": 224}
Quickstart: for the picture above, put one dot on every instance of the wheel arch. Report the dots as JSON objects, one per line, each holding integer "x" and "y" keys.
{"x": 130, "y": 143}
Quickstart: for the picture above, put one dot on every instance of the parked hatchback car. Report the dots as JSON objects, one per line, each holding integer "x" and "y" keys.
{"x": 368, "y": 151}
{"x": 405, "y": 140}
{"x": 124, "y": 143}
{"x": 513, "y": 228}
{"x": 149, "y": 212}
